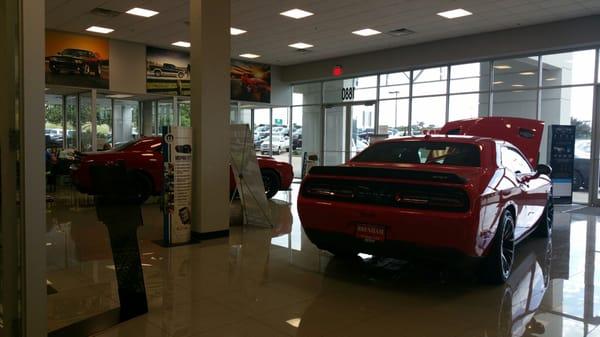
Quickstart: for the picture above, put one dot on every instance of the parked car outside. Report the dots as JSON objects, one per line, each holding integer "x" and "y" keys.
{"x": 582, "y": 163}
{"x": 280, "y": 143}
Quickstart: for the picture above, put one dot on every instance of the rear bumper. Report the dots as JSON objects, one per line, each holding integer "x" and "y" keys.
{"x": 390, "y": 248}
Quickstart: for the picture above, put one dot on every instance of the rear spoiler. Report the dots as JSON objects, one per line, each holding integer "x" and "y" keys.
{"x": 376, "y": 172}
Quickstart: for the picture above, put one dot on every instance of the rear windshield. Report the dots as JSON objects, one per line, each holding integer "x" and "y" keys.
{"x": 435, "y": 153}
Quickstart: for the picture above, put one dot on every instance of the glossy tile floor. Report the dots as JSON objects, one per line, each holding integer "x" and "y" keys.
{"x": 274, "y": 282}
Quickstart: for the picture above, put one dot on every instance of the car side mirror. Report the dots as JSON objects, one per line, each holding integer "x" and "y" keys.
{"x": 543, "y": 169}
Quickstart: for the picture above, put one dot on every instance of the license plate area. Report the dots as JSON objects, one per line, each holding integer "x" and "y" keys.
{"x": 370, "y": 233}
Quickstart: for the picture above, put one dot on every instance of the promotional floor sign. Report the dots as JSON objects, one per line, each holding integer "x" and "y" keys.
{"x": 248, "y": 178}
{"x": 177, "y": 152}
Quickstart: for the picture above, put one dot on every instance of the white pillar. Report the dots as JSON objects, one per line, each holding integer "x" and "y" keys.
{"x": 210, "y": 60}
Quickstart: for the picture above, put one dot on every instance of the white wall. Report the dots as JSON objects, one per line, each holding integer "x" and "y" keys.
{"x": 127, "y": 67}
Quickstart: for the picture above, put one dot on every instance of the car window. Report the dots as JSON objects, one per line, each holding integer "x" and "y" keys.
{"x": 410, "y": 152}
{"x": 514, "y": 161}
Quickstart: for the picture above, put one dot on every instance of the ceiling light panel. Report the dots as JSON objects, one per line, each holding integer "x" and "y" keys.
{"x": 301, "y": 45}
{"x": 236, "y": 31}
{"x": 296, "y": 13}
{"x": 455, "y": 13}
{"x": 100, "y": 30}
{"x": 249, "y": 56}
{"x": 366, "y": 32}
{"x": 146, "y": 13}
{"x": 502, "y": 66}
{"x": 183, "y": 44}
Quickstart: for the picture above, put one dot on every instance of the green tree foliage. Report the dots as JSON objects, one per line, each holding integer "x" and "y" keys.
{"x": 583, "y": 129}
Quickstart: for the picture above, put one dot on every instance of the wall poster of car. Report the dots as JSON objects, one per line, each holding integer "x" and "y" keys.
{"x": 77, "y": 60}
{"x": 250, "y": 81}
{"x": 167, "y": 72}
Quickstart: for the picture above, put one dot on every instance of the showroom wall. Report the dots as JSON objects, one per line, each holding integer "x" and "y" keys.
{"x": 128, "y": 72}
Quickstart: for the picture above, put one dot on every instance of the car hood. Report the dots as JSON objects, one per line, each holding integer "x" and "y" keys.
{"x": 525, "y": 134}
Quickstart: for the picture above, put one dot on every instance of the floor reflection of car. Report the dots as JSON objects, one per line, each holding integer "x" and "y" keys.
{"x": 375, "y": 287}
{"x": 143, "y": 158}
{"x": 581, "y": 169}
{"x": 446, "y": 197}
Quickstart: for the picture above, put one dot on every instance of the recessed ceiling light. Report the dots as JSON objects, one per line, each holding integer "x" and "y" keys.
{"x": 101, "y": 30}
{"x": 498, "y": 82}
{"x": 118, "y": 96}
{"x": 518, "y": 85}
{"x": 142, "y": 12}
{"x": 455, "y": 13}
{"x": 301, "y": 45}
{"x": 249, "y": 56}
{"x": 551, "y": 79}
{"x": 366, "y": 32}
{"x": 527, "y": 73}
{"x": 296, "y": 13}
{"x": 236, "y": 31}
{"x": 183, "y": 44}
{"x": 502, "y": 66}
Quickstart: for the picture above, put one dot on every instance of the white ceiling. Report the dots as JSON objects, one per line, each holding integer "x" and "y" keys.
{"x": 329, "y": 29}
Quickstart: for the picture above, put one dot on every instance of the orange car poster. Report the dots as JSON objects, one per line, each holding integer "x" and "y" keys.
{"x": 250, "y": 81}
{"x": 77, "y": 60}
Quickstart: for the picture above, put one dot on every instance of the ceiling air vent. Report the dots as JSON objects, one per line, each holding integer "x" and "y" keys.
{"x": 401, "y": 32}
{"x": 303, "y": 51}
{"x": 107, "y": 13}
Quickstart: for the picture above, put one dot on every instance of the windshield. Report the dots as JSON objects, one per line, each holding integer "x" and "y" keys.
{"x": 434, "y": 153}
{"x": 123, "y": 146}
{"x": 74, "y": 52}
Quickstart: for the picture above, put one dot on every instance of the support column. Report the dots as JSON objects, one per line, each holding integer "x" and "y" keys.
{"x": 210, "y": 62}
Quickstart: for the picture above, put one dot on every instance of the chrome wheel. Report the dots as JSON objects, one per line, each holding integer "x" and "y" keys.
{"x": 507, "y": 252}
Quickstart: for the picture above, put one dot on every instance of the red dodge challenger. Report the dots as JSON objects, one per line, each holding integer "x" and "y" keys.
{"x": 473, "y": 190}
{"x": 144, "y": 158}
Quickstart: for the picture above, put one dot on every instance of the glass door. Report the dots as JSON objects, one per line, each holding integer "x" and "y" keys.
{"x": 335, "y": 145}
{"x": 363, "y": 126}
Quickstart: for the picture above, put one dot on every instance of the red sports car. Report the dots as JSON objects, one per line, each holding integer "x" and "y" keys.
{"x": 144, "y": 157}
{"x": 443, "y": 196}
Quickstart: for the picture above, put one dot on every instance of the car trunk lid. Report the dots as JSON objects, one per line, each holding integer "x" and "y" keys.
{"x": 525, "y": 134}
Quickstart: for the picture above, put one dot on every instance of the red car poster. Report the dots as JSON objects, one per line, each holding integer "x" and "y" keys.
{"x": 250, "y": 82}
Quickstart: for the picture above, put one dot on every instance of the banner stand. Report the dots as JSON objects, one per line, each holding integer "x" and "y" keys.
{"x": 248, "y": 178}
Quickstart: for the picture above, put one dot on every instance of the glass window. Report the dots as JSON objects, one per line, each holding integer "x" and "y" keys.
{"x": 518, "y": 103}
{"x": 166, "y": 115}
{"x": 430, "y": 81}
{"x": 71, "y": 121}
{"x": 85, "y": 121}
{"x": 262, "y": 129}
{"x": 350, "y": 90}
{"x": 568, "y": 68}
{"x": 468, "y": 106}
{"x": 394, "y": 85}
{"x": 393, "y": 117}
{"x": 306, "y": 135}
{"x": 126, "y": 116}
{"x": 104, "y": 124}
{"x": 512, "y": 74}
{"x": 54, "y": 121}
{"x": 185, "y": 113}
{"x": 459, "y": 154}
{"x": 309, "y": 93}
{"x": 471, "y": 77}
{"x": 428, "y": 113}
{"x": 514, "y": 161}
{"x": 363, "y": 126}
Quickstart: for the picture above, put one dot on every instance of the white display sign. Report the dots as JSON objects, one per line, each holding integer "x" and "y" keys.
{"x": 177, "y": 153}
{"x": 248, "y": 178}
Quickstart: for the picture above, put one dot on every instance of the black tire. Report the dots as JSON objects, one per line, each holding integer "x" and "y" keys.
{"x": 544, "y": 226}
{"x": 577, "y": 181}
{"x": 271, "y": 181}
{"x": 142, "y": 186}
{"x": 157, "y": 73}
{"x": 497, "y": 266}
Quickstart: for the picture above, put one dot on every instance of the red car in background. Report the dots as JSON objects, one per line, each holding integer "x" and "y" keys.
{"x": 144, "y": 158}
{"x": 440, "y": 197}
